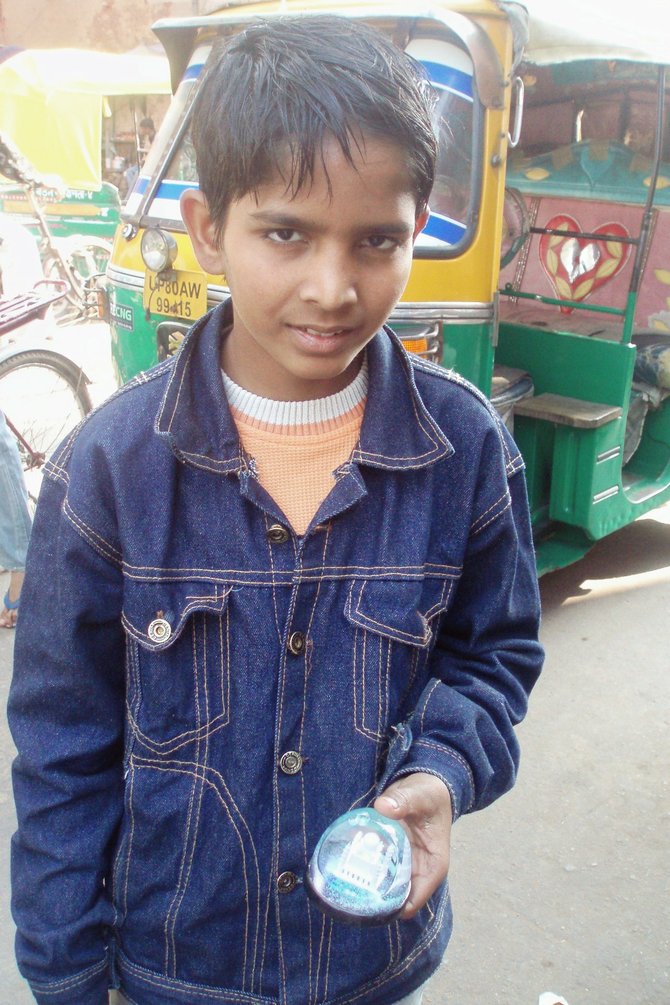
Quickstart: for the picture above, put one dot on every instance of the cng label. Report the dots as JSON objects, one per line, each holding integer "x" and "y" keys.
{"x": 122, "y": 315}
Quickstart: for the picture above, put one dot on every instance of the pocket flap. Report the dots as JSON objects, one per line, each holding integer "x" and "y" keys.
{"x": 155, "y": 613}
{"x": 399, "y": 610}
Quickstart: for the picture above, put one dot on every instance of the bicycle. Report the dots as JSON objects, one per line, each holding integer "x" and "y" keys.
{"x": 72, "y": 259}
{"x": 43, "y": 394}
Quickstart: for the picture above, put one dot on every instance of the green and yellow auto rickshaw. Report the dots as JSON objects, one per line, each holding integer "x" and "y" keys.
{"x": 543, "y": 274}
{"x": 73, "y": 113}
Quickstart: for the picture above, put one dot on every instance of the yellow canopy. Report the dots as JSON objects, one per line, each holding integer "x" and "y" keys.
{"x": 52, "y": 103}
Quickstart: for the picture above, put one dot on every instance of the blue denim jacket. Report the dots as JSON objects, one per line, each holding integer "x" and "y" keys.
{"x": 198, "y": 693}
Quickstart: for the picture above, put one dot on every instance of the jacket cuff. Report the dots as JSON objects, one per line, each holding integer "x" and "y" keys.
{"x": 433, "y": 758}
{"x": 88, "y": 987}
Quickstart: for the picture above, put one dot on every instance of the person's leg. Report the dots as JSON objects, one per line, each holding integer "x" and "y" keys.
{"x": 14, "y": 523}
{"x": 9, "y": 608}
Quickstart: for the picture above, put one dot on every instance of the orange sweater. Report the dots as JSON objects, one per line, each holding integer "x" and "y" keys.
{"x": 298, "y": 445}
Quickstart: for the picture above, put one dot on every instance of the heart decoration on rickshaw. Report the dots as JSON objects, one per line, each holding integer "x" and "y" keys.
{"x": 577, "y": 266}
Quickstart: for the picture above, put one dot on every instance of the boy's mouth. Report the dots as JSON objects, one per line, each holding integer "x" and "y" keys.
{"x": 320, "y": 332}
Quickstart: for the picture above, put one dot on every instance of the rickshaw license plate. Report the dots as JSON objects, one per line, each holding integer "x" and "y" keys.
{"x": 176, "y": 294}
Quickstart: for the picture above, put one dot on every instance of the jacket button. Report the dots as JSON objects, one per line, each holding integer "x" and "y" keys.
{"x": 287, "y": 882}
{"x": 291, "y": 762}
{"x": 159, "y": 630}
{"x": 277, "y": 534}
{"x": 296, "y": 643}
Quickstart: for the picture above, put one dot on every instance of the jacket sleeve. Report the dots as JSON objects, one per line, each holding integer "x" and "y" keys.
{"x": 487, "y": 656}
{"x": 66, "y": 716}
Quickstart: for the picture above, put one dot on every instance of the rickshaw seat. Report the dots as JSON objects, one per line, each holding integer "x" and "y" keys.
{"x": 565, "y": 411}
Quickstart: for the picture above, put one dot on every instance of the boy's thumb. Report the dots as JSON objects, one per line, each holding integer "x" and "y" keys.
{"x": 396, "y": 801}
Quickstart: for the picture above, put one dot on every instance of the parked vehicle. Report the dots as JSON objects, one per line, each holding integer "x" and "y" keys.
{"x": 75, "y": 115}
{"x": 74, "y": 259}
{"x": 543, "y": 272}
{"x": 43, "y": 394}
{"x": 71, "y": 212}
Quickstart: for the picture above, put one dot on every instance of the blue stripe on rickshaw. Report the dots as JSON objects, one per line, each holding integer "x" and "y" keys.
{"x": 193, "y": 71}
{"x": 449, "y": 78}
{"x": 444, "y": 229}
{"x": 173, "y": 189}
{"x": 140, "y": 186}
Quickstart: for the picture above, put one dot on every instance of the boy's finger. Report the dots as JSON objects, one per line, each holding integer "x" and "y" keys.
{"x": 393, "y": 802}
{"x": 419, "y": 795}
{"x": 423, "y": 887}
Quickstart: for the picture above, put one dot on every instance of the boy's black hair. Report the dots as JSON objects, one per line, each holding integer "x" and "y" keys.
{"x": 281, "y": 86}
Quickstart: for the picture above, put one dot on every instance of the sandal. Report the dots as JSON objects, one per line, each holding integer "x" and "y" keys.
{"x": 8, "y": 617}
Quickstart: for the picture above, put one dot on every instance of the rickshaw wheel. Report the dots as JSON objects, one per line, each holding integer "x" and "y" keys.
{"x": 44, "y": 395}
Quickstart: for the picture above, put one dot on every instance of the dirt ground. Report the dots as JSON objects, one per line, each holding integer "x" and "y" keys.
{"x": 562, "y": 885}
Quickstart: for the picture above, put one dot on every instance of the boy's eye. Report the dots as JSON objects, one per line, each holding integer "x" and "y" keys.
{"x": 380, "y": 242}
{"x": 284, "y": 235}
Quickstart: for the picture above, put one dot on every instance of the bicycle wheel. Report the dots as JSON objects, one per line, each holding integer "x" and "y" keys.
{"x": 43, "y": 396}
{"x": 84, "y": 257}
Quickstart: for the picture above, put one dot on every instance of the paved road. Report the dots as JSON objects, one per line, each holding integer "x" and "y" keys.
{"x": 562, "y": 885}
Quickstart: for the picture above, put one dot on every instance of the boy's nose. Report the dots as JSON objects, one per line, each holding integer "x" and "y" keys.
{"x": 330, "y": 282}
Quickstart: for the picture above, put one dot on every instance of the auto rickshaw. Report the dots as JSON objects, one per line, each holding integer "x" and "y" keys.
{"x": 543, "y": 272}
{"x": 72, "y": 113}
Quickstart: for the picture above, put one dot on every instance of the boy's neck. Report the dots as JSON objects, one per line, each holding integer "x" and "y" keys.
{"x": 259, "y": 375}
{"x": 315, "y": 414}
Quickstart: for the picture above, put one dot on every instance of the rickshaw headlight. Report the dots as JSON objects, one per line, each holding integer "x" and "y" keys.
{"x": 159, "y": 249}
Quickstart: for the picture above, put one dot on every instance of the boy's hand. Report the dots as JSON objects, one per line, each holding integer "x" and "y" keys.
{"x": 423, "y": 804}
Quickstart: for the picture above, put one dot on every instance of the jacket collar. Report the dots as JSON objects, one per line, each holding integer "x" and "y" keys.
{"x": 398, "y": 432}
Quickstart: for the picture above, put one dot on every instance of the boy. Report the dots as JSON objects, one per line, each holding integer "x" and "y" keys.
{"x": 292, "y": 575}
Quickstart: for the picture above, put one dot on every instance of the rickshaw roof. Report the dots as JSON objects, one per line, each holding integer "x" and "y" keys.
{"x": 83, "y": 71}
{"x": 562, "y": 31}
{"x": 52, "y": 103}
{"x": 559, "y": 30}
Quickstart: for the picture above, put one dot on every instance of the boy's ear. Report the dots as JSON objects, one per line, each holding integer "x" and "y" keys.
{"x": 201, "y": 230}
{"x": 421, "y": 221}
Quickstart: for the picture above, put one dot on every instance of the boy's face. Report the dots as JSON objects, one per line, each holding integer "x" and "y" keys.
{"x": 312, "y": 276}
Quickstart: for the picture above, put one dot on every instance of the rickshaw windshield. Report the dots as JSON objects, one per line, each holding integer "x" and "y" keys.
{"x": 450, "y": 71}
{"x": 170, "y": 161}
{"x": 457, "y": 123}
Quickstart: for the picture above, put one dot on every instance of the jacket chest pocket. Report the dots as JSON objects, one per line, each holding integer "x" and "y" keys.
{"x": 178, "y": 661}
{"x": 393, "y": 634}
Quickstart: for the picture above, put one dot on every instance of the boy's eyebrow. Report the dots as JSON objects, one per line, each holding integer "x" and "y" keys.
{"x": 285, "y": 221}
